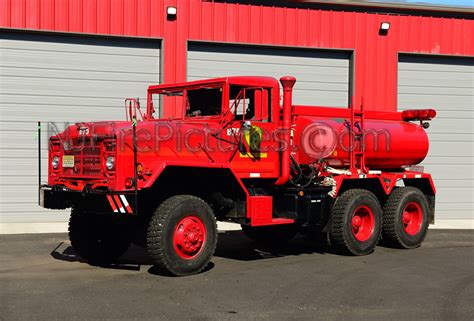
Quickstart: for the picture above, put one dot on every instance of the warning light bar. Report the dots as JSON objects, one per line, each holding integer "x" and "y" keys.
{"x": 418, "y": 114}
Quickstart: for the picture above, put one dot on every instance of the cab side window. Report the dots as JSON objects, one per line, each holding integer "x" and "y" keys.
{"x": 250, "y": 103}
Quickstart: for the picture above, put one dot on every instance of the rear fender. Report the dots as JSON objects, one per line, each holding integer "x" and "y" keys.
{"x": 383, "y": 184}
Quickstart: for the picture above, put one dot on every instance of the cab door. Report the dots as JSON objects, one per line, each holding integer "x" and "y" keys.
{"x": 256, "y": 153}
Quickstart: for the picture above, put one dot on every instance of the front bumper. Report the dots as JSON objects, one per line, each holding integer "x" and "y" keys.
{"x": 89, "y": 201}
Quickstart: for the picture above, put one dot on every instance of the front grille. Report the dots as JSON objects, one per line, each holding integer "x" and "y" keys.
{"x": 89, "y": 157}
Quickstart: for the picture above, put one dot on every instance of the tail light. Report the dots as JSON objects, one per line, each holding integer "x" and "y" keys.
{"x": 418, "y": 114}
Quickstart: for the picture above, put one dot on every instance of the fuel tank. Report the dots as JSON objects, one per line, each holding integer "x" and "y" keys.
{"x": 387, "y": 143}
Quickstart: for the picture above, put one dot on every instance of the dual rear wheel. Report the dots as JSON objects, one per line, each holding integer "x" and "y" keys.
{"x": 358, "y": 220}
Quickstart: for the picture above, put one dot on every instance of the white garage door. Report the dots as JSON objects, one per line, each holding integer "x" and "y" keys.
{"x": 447, "y": 85}
{"x": 322, "y": 76}
{"x": 60, "y": 78}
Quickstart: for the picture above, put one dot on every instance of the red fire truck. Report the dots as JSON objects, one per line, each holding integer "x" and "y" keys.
{"x": 237, "y": 149}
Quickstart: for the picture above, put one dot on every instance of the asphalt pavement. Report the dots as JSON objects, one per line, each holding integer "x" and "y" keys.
{"x": 41, "y": 278}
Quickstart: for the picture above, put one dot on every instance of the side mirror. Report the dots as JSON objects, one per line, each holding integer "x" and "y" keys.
{"x": 131, "y": 107}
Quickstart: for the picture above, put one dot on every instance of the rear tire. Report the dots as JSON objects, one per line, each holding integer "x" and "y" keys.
{"x": 405, "y": 218}
{"x": 182, "y": 235}
{"x": 277, "y": 234}
{"x": 356, "y": 222}
{"x": 100, "y": 239}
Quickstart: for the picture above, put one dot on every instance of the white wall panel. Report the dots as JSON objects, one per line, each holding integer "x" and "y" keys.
{"x": 447, "y": 85}
{"x": 60, "y": 78}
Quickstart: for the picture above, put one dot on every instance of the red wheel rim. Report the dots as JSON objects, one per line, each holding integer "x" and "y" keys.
{"x": 412, "y": 218}
{"x": 189, "y": 237}
{"x": 363, "y": 223}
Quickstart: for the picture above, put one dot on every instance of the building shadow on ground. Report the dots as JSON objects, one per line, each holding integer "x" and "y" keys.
{"x": 232, "y": 245}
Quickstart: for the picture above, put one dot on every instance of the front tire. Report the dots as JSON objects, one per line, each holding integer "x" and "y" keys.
{"x": 182, "y": 235}
{"x": 356, "y": 222}
{"x": 405, "y": 218}
{"x": 100, "y": 239}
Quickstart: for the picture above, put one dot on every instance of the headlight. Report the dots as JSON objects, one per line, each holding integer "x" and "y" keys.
{"x": 110, "y": 163}
{"x": 55, "y": 162}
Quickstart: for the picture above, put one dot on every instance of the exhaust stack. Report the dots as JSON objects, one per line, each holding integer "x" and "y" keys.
{"x": 287, "y": 83}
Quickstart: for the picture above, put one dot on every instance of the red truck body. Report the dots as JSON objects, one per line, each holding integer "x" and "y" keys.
{"x": 274, "y": 168}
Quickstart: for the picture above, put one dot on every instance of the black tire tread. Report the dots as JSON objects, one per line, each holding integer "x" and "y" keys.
{"x": 389, "y": 234}
{"x": 337, "y": 238}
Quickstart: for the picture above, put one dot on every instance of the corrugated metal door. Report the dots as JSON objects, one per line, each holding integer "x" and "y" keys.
{"x": 322, "y": 76}
{"x": 60, "y": 78}
{"x": 447, "y": 85}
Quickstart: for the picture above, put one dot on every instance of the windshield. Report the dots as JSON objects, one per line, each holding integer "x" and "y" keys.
{"x": 206, "y": 101}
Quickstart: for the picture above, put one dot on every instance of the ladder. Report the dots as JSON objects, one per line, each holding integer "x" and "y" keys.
{"x": 357, "y": 140}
